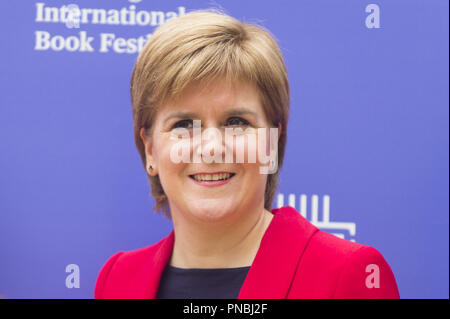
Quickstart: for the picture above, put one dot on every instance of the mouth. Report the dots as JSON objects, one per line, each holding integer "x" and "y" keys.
{"x": 212, "y": 179}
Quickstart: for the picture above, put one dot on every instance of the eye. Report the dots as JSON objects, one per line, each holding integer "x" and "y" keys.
{"x": 184, "y": 124}
{"x": 237, "y": 121}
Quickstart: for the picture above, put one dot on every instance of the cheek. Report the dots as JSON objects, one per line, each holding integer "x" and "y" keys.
{"x": 253, "y": 181}
{"x": 251, "y": 149}
{"x": 254, "y": 148}
{"x": 169, "y": 162}
{"x": 244, "y": 148}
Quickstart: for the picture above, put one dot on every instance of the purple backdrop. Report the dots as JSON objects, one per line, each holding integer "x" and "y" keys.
{"x": 368, "y": 132}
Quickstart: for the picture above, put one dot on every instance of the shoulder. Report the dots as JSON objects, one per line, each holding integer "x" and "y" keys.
{"x": 122, "y": 264}
{"x": 332, "y": 267}
{"x": 351, "y": 270}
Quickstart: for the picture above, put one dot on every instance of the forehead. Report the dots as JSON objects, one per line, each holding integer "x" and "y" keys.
{"x": 217, "y": 96}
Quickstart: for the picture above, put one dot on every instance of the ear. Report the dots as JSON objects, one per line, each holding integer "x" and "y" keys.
{"x": 150, "y": 160}
{"x": 279, "y": 130}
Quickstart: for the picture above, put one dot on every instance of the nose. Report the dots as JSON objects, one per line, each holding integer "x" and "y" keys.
{"x": 212, "y": 145}
{"x": 208, "y": 145}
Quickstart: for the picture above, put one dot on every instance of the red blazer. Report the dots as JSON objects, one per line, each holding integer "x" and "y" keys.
{"x": 295, "y": 260}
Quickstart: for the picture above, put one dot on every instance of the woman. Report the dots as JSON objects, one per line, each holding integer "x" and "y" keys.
{"x": 226, "y": 242}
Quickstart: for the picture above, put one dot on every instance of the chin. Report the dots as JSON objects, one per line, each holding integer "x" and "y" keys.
{"x": 212, "y": 209}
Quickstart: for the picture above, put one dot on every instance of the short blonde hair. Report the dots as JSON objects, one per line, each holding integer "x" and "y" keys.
{"x": 202, "y": 46}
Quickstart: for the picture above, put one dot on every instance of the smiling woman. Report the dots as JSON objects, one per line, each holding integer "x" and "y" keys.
{"x": 227, "y": 242}
{"x": 189, "y": 54}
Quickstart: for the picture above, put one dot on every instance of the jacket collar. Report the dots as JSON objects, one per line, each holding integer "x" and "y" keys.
{"x": 273, "y": 268}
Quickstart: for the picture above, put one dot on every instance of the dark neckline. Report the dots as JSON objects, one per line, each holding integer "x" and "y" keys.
{"x": 177, "y": 269}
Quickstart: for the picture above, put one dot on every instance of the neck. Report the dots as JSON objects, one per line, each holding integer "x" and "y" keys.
{"x": 219, "y": 246}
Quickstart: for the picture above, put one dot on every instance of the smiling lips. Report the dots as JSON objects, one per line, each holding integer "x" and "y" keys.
{"x": 212, "y": 179}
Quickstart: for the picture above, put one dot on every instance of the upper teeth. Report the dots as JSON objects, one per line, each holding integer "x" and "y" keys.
{"x": 211, "y": 177}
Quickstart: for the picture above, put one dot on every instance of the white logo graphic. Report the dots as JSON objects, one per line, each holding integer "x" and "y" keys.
{"x": 373, "y": 19}
{"x": 325, "y": 224}
{"x": 73, "y": 280}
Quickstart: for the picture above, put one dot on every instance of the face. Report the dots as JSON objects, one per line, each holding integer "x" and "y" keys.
{"x": 192, "y": 187}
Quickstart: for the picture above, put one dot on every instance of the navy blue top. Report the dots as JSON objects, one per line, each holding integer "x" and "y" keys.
{"x": 196, "y": 283}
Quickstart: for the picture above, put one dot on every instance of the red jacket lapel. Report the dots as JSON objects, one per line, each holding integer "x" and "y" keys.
{"x": 280, "y": 251}
{"x": 156, "y": 264}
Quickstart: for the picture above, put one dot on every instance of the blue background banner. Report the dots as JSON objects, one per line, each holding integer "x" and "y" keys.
{"x": 367, "y": 155}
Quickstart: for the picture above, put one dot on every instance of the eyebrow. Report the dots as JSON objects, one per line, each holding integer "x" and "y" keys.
{"x": 241, "y": 111}
{"x": 180, "y": 115}
{"x": 233, "y": 112}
